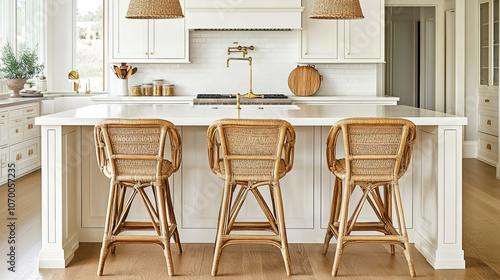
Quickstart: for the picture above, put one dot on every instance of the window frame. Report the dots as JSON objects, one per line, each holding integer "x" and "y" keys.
{"x": 8, "y": 18}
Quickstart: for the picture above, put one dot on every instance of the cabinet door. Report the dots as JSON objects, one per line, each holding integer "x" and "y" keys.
{"x": 364, "y": 38}
{"x": 318, "y": 37}
{"x": 167, "y": 38}
{"x": 4, "y": 161}
{"x": 130, "y": 36}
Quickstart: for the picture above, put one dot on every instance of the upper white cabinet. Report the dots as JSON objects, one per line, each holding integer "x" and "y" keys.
{"x": 344, "y": 41}
{"x": 136, "y": 40}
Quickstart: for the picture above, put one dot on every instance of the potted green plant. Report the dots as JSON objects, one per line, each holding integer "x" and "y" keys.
{"x": 16, "y": 71}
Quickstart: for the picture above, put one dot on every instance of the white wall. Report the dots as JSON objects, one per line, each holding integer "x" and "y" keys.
{"x": 274, "y": 57}
{"x": 471, "y": 68}
{"x": 60, "y": 29}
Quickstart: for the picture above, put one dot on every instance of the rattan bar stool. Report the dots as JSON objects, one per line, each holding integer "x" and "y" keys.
{"x": 251, "y": 154}
{"x": 378, "y": 152}
{"x": 130, "y": 153}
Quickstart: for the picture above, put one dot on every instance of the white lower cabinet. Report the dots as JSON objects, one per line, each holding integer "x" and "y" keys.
{"x": 19, "y": 140}
{"x": 4, "y": 162}
{"x": 487, "y": 126}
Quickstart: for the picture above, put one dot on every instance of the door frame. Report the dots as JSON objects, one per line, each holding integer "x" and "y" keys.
{"x": 440, "y": 43}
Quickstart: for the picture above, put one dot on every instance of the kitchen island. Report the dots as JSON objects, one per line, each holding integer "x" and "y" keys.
{"x": 74, "y": 192}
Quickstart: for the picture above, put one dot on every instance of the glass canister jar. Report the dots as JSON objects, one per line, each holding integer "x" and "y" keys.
{"x": 147, "y": 89}
{"x": 168, "y": 90}
{"x": 157, "y": 87}
{"x": 135, "y": 91}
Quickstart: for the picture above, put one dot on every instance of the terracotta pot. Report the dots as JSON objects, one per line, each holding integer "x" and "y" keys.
{"x": 15, "y": 85}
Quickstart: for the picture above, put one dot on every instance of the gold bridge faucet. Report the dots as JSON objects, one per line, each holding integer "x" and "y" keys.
{"x": 250, "y": 93}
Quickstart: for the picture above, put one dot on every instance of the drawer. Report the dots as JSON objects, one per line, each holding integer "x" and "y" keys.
{"x": 15, "y": 121}
{"x": 25, "y": 154}
{"x": 487, "y": 101}
{"x": 16, "y": 134}
{"x": 487, "y": 148}
{"x": 4, "y": 116}
{"x": 30, "y": 130}
{"x": 16, "y": 113}
{"x": 488, "y": 122}
{"x": 32, "y": 110}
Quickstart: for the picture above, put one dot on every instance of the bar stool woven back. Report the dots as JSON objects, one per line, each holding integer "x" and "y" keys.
{"x": 131, "y": 154}
{"x": 378, "y": 152}
{"x": 251, "y": 154}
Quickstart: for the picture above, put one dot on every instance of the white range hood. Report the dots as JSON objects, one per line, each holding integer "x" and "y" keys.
{"x": 245, "y": 15}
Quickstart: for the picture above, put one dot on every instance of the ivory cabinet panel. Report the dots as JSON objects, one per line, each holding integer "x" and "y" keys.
{"x": 202, "y": 190}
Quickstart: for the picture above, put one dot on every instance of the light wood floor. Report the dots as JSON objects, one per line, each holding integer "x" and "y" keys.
{"x": 481, "y": 242}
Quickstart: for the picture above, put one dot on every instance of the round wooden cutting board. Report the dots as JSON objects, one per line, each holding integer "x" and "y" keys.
{"x": 304, "y": 80}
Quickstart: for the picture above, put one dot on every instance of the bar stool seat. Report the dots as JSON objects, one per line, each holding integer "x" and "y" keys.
{"x": 142, "y": 170}
{"x": 131, "y": 154}
{"x": 252, "y": 173}
{"x": 366, "y": 173}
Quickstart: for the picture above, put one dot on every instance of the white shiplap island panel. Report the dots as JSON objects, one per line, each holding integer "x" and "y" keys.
{"x": 74, "y": 192}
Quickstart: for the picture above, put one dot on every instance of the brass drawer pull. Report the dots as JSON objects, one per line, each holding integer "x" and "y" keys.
{"x": 488, "y": 122}
{"x": 30, "y": 152}
{"x": 30, "y": 110}
{"x": 19, "y": 120}
{"x": 19, "y": 156}
{"x": 3, "y": 116}
{"x": 488, "y": 146}
{"x": 17, "y": 130}
{"x": 30, "y": 126}
{"x": 29, "y": 118}
{"x": 487, "y": 100}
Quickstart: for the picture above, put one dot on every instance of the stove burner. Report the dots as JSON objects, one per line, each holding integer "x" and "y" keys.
{"x": 220, "y": 96}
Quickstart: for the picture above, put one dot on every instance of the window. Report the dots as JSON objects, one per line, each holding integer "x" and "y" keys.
{"x": 21, "y": 23}
{"x": 90, "y": 43}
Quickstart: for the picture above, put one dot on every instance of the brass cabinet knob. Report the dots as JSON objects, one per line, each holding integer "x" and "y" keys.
{"x": 151, "y": 53}
{"x": 487, "y": 101}
{"x": 488, "y": 122}
{"x": 488, "y": 146}
{"x": 17, "y": 130}
{"x": 306, "y": 53}
{"x": 146, "y": 53}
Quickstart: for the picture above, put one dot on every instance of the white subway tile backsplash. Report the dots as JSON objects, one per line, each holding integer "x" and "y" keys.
{"x": 274, "y": 57}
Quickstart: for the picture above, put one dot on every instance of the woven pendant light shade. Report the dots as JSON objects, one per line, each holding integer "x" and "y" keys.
{"x": 336, "y": 9}
{"x": 154, "y": 9}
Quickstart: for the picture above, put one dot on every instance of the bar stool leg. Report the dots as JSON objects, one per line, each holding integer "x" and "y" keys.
{"x": 333, "y": 215}
{"x": 107, "y": 229}
{"x": 281, "y": 225}
{"x": 342, "y": 227}
{"x": 165, "y": 232}
{"x": 221, "y": 228}
{"x": 388, "y": 209}
{"x": 171, "y": 214}
{"x": 402, "y": 225}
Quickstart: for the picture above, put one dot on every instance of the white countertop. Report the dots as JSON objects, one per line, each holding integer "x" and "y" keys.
{"x": 187, "y": 115}
{"x": 18, "y": 101}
